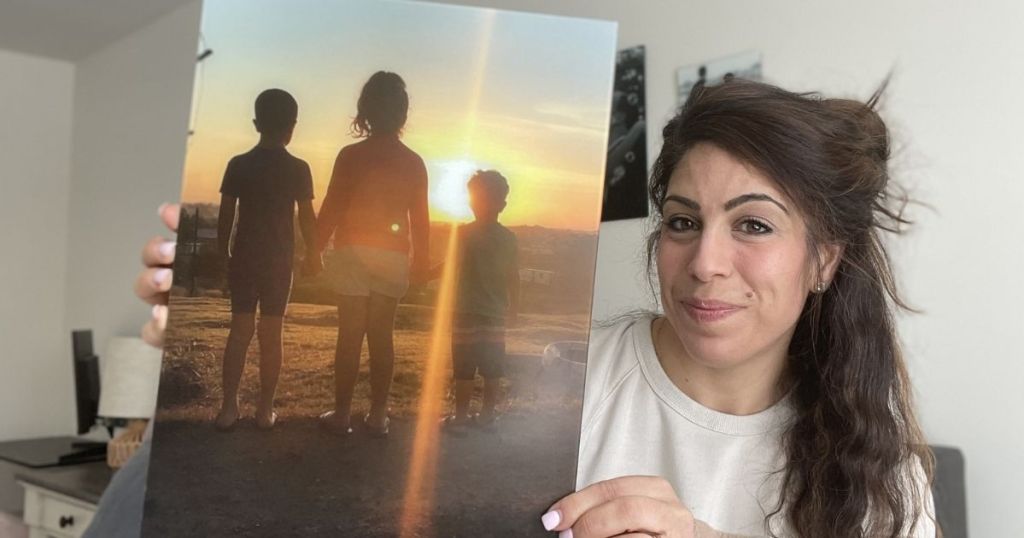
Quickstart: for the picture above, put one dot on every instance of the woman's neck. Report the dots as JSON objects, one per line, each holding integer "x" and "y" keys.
{"x": 744, "y": 389}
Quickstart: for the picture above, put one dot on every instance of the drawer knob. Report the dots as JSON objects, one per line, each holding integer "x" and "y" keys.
{"x": 67, "y": 521}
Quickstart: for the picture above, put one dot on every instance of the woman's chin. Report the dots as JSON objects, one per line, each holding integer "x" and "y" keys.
{"x": 715, "y": 350}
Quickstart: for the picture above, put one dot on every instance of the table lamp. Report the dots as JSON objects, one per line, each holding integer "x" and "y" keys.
{"x": 130, "y": 378}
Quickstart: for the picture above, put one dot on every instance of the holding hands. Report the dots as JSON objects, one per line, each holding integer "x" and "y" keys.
{"x": 312, "y": 264}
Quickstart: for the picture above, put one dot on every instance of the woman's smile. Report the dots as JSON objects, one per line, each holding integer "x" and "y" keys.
{"x": 708, "y": 310}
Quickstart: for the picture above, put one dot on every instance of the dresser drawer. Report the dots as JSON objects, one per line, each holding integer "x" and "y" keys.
{"x": 51, "y": 514}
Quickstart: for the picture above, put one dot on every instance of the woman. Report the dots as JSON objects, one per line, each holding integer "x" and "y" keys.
{"x": 376, "y": 201}
{"x": 770, "y": 398}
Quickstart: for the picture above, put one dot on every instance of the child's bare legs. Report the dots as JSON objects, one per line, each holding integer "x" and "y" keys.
{"x": 492, "y": 391}
{"x": 271, "y": 356}
{"x": 351, "y": 330}
{"x": 463, "y": 394}
{"x": 243, "y": 326}
{"x": 380, "y": 339}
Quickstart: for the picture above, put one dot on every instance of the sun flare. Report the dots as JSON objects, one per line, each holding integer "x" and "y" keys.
{"x": 449, "y": 199}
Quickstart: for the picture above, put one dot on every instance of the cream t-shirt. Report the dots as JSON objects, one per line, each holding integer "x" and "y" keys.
{"x": 637, "y": 422}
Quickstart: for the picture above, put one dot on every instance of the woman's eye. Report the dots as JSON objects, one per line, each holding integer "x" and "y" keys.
{"x": 681, "y": 224}
{"x": 755, "y": 227}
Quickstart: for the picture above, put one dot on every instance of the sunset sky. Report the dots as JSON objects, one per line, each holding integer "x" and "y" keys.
{"x": 521, "y": 93}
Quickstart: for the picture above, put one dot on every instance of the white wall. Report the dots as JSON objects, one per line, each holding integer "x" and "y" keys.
{"x": 953, "y": 106}
{"x": 35, "y": 151}
{"x": 131, "y": 109}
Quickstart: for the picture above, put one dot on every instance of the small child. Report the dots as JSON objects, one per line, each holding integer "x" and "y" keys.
{"x": 266, "y": 183}
{"x": 487, "y": 292}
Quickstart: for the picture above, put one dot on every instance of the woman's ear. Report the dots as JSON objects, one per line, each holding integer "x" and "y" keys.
{"x": 829, "y": 256}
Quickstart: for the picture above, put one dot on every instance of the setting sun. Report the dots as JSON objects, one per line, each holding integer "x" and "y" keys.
{"x": 448, "y": 197}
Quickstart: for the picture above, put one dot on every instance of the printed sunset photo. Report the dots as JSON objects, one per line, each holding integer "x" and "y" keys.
{"x": 384, "y": 272}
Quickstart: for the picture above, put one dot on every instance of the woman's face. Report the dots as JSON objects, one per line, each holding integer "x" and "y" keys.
{"x": 732, "y": 261}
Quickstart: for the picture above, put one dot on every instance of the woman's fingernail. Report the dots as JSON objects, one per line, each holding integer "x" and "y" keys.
{"x": 551, "y": 519}
{"x": 156, "y": 311}
{"x": 167, "y": 248}
{"x": 160, "y": 276}
{"x": 160, "y": 210}
{"x": 567, "y": 533}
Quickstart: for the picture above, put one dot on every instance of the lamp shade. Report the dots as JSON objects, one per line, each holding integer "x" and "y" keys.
{"x": 129, "y": 380}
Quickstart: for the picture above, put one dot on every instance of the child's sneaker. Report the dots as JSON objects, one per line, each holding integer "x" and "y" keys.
{"x": 486, "y": 422}
{"x": 455, "y": 426}
{"x": 328, "y": 421}
{"x": 379, "y": 432}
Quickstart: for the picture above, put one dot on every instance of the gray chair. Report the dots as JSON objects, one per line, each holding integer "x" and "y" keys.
{"x": 950, "y": 491}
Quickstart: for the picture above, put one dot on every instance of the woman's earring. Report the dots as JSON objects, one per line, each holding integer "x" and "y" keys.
{"x": 819, "y": 287}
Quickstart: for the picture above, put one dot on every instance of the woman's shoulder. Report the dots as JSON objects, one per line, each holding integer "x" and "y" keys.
{"x": 619, "y": 327}
{"x": 612, "y": 358}
{"x": 612, "y": 352}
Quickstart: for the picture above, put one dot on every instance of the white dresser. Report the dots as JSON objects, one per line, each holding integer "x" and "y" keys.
{"x": 61, "y": 501}
{"x": 49, "y": 514}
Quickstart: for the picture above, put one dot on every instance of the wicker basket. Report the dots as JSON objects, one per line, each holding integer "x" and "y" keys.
{"x": 122, "y": 447}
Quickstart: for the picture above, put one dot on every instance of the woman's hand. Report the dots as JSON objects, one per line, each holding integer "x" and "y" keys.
{"x": 628, "y": 506}
{"x": 154, "y": 282}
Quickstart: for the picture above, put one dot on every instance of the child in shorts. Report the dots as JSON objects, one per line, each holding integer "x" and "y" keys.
{"x": 265, "y": 183}
{"x": 487, "y": 293}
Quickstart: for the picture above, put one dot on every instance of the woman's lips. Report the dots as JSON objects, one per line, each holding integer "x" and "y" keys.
{"x": 709, "y": 310}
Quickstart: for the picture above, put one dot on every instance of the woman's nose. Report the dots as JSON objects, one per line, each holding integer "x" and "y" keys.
{"x": 711, "y": 256}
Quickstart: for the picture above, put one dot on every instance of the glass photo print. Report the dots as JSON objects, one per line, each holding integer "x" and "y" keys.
{"x": 384, "y": 272}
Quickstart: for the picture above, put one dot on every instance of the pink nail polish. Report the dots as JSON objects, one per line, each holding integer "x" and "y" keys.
{"x": 156, "y": 311}
{"x": 167, "y": 248}
{"x": 551, "y": 519}
{"x": 160, "y": 210}
{"x": 160, "y": 276}
{"x": 567, "y": 533}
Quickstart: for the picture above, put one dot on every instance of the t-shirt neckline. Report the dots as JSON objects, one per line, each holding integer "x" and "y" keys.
{"x": 705, "y": 417}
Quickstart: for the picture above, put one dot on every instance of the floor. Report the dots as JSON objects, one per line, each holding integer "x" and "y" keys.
{"x": 11, "y": 526}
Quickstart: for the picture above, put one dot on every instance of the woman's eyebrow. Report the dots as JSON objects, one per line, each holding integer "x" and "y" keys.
{"x": 684, "y": 201}
{"x": 754, "y": 197}
{"x": 731, "y": 204}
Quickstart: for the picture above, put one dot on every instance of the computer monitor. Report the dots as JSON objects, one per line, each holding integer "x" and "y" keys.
{"x": 87, "y": 379}
{"x": 51, "y": 451}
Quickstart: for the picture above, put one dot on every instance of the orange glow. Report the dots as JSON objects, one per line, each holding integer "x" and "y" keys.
{"x": 419, "y": 489}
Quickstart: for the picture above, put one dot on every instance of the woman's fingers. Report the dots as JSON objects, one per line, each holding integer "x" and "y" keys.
{"x": 564, "y": 513}
{"x": 634, "y": 514}
{"x": 153, "y": 284}
{"x": 153, "y": 331}
{"x": 158, "y": 252}
{"x": 169, "y": 213}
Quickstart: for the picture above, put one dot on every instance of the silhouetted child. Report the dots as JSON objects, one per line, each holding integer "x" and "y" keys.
{"x": 266, "y": 183}
{"x": 487, "y": 293}
{"x": 377, "y": 211}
